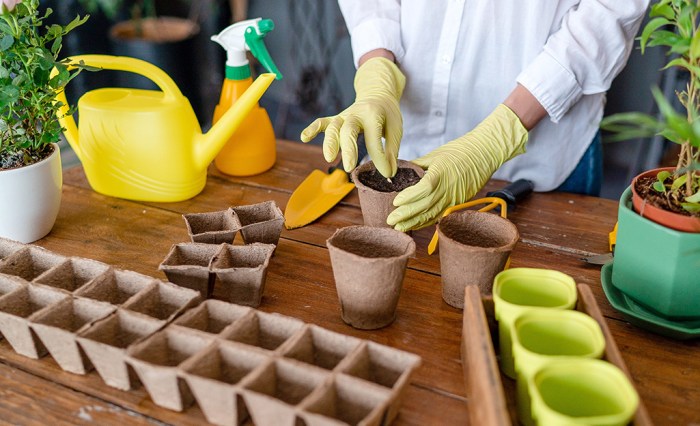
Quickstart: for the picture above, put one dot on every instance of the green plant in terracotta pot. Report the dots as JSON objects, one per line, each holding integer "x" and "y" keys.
{"x": 657, "y": 255}
{"x": 30, "y": 162}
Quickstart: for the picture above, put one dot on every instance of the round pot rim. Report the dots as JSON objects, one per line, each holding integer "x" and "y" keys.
{"x": 370, "y": 166}
{"x": 504, "y": 247}
{"x": 409, "y": 249}
{"x": 38, "y": 164}
{"x": 665, "y": 218}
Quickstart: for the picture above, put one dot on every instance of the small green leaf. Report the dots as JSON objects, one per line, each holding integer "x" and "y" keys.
{"x": 663, "y": 175}
{"x": 695, "y": 198}
{"x": 649, "y": 29}
{"x": 659, "y": 187}
{"x": 677, "y": 183}
{"x": 6, "y": 42}
{"x": 691, "y": 207}
{"x": 662, "y": 9}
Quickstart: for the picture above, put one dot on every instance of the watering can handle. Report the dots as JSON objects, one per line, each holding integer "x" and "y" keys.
{"x": 119, "y": 63}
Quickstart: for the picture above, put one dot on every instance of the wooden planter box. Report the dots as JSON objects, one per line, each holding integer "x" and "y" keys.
{"x": 490, "y": 393}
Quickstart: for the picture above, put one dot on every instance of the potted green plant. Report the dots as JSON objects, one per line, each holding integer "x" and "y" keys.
{"x": 657, "y": 255}
{"x": 30, "y": 162}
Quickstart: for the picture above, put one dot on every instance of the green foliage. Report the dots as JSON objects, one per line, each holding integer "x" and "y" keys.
{"x": 28, "y": 54}
{"x": 674, "y": 25}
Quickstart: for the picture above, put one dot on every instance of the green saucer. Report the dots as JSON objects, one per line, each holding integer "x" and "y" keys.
{"x": 642, "y": 317}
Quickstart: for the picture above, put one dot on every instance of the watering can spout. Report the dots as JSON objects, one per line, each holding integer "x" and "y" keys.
{"x": 214, "y": 140}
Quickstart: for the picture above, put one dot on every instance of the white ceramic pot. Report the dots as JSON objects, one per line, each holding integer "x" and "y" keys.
{"x": 30, "y": 198}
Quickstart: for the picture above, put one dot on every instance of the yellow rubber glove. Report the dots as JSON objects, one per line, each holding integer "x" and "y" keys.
{"x": 378, "y": 87}
{"x": 459, "y": 169}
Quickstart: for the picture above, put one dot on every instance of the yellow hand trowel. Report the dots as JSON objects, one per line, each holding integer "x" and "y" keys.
{"x": 319, "y": 192}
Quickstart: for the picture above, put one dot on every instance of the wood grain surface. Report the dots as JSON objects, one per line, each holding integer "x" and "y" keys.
{"x": 556, "y": 230}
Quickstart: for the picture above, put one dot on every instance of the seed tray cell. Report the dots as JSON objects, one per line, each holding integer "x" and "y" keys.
{"x": 263, "y": 330}
{"x": 322, "y": 348}
{"x": 163, "y": 301}
{"x": 30, "y": 262}
{"x": 212, "y": 227}
{"x": 188, "y": 265}
{"x": 212, "y": 316}
{"x": 260, "y": 223}
{"x": 8, "y": 247}
{"x": 72, "y": 274}
{"x": 116, "y": 286}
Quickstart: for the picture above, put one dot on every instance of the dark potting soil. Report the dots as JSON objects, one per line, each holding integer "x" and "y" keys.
{"x": 17, "y": 159}
{"x": 666, "y": 201}
{"x": 404, "y": 178}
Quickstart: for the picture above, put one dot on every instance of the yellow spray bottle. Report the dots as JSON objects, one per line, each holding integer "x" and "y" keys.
{"x": 252, "y": 147}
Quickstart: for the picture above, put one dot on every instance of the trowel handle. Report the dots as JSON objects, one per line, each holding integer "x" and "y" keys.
{"x": 137, "y": 66}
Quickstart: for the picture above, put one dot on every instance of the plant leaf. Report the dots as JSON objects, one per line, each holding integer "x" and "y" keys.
{"x": 691, "y": 207}
{"x": 649, "y": 29}
{"x": 680, "y": 181}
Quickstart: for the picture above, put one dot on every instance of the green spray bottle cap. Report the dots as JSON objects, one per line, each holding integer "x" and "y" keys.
{"x": 246, "y": 35}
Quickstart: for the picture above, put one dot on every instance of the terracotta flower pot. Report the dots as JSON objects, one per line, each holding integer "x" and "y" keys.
{"x": 30, "y": 198}
{"x": 474, "y": 247}
{"x": 669, "y": 219}
{"x": 368, "y": 266}
{"x": 376, "y": 205}
{"x": 240, "y": 272}
{"x": 655, "y": 265}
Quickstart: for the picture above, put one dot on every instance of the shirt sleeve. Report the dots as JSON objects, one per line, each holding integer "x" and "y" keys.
{"x": 585, "y": 54}
{"x": 373, "y": 24}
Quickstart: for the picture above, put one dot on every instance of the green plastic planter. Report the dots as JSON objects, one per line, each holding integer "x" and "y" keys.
{"x": 657, "y": 266}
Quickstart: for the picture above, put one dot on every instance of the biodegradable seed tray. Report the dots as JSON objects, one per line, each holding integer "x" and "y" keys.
{"x": 237, "y": 363}
{"x": 212, "y": 227}
{"x": 492, "y": 394}
{"x": 260, "y": 223}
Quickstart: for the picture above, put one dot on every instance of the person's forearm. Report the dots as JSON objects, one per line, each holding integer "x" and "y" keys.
{"x": 377, "y": 53}
{"x": 525, "y": 106}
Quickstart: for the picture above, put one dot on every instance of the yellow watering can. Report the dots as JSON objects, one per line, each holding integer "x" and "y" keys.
{"x": 147, "y": 144}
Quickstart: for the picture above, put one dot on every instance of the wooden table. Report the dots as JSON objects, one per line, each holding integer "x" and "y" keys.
{"x": 556, "y": 229}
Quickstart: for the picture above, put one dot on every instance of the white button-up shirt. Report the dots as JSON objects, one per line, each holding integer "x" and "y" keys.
{"x": 462, "y": 58}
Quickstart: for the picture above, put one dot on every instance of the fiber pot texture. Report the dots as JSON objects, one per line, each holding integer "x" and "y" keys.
{"x": 474, "y": 247}
{"x": 30, "y": 198}
{"x": 376, "y": 205}
{"x": 369, "y": 266}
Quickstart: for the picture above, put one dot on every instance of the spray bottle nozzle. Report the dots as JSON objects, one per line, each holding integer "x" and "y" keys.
{"x": 247, "y": 35}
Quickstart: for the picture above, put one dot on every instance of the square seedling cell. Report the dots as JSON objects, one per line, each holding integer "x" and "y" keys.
{"x": 9, "y": 247}
{"x": 116, "y": 286}
{"x": 322, "y": 348}
{"x": 10, "y": 283}
{"x": 260, "y": 223}
{"x": 240, "y": 273}
{"x": 347, "y": 400}
{"x": 212, "y": 227}
{"x": 156, "y": 359}
{"x": 17, "y": 309}
{"x": 385, "y": 366}
{"x": 57, "y": 326}
{"x": 30, "y": 262}
{"x": 273, "y": 392}
{"x": 106, "y": 341}
{"x": 72, "y": 274}
{"x": 163, "y": 301}
{"x": 262, "y": 330}
{"x": 188, "y": 265}
{"x": 215, "y": 376}
{"x": 212, "y": 316}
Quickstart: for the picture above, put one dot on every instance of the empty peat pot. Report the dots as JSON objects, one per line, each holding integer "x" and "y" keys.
{"x": 377, "y": 194}
{"x": 582, "y": 391}
{"x": 474, "y": 247}
{"x": 369, "y": 266}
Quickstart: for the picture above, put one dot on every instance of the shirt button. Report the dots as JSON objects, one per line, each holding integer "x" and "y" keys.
{"x": 446, "y": 59}
{"x": 438, "y": 113}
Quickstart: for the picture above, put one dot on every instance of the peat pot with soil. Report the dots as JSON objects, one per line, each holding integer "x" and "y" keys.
{"x": 377, "y": 193}
{"x": 657, "y": 252}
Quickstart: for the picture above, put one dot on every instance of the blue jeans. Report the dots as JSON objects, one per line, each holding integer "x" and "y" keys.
{"x": 587, "y": 177}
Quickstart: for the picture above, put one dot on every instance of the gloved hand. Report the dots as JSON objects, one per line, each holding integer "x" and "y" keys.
{"x": 378, "y": 87}
{"x": 459, "y": 169}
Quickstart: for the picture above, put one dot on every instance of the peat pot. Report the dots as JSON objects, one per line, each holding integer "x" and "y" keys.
{"x": 377, "y": 204}
{"x": 474, "y": 247}
{"x": 369, "y": 266}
